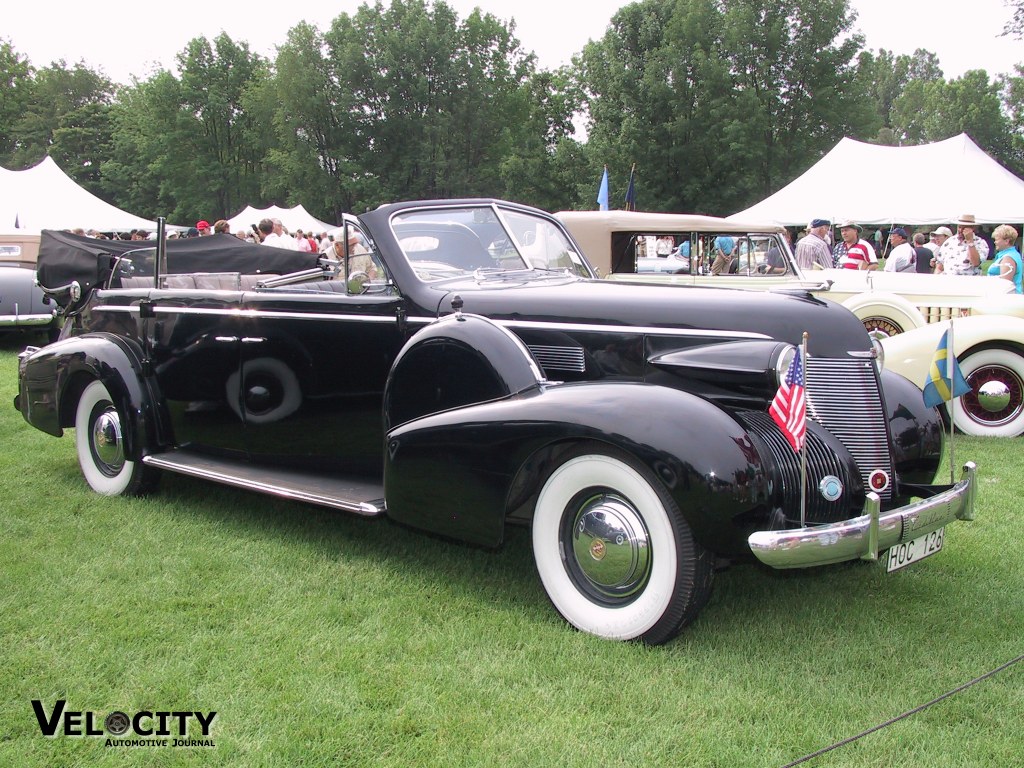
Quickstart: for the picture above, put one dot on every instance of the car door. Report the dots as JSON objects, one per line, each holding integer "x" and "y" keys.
{"x": 314, "y": 362}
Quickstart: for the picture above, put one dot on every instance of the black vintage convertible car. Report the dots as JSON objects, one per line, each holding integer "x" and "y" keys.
{"x": 455, "y": 366}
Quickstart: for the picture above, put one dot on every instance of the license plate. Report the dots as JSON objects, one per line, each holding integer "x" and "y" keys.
{"x": 910, "y": 552}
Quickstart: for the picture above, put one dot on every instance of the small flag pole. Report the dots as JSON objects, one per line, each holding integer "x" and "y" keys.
{"x": 803, "y": 447}
{"x": 951, "y": 370}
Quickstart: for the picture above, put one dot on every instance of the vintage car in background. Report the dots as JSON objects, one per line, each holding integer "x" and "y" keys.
{"x": 23, "y": 305}
{"x": 991, "y": 358}
{"x": 467, "y": 373}
{"x": 637, "y": 246}
{"x": 19, "y": 248}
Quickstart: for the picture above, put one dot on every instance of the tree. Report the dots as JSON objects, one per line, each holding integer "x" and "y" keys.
{"x": 16, "y": 84}
{"x": 142, "y": 155}
{"x": 719, "y": 102}
{"x": 68, "y": 119}
{"x": 434, "y": 104}
{"x": 1015, "y": 26}
{"x": 1012, "y": 94}
{"x": 317, "y": 148}
{"x": 215, "y": 153}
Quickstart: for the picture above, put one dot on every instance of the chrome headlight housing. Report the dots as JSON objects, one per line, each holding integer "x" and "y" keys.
{"x": 783, "y": 360}
{"x": 879, "y": 352}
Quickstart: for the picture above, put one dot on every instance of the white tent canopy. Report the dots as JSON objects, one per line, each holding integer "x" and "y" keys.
{"x": 292, "y": 218}
{"x": 44, "y": 197}
{"x": 871, "y": 184}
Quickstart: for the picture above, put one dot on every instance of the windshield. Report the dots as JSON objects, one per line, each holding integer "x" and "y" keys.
{"x": 484, "y": 240}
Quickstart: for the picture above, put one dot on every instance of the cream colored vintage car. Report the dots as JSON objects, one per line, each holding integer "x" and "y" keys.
{"x": 990, "y": 352}
{"x": 644, "y": 247}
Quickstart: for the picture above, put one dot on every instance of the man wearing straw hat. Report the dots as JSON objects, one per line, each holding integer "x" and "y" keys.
{"x": 853, "y": 252}
{"x": 963, "y": 253}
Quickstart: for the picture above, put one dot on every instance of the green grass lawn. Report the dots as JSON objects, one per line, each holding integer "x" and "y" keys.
{"x": 324, "y": 639}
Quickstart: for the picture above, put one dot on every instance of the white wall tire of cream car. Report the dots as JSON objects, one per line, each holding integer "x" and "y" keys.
{"x": 995, "y": 405}
{"x": 614, "y": 553}
{"x": 885, "y": 315}
{"x": 99, "y": 440}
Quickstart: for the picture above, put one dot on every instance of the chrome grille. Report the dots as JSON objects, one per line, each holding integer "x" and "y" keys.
{"x": 821, "y": 461}
{"x": 843, "y": 396}
{"x": 559, "y": 358}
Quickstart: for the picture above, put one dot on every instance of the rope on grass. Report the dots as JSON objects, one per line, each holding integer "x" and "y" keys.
{"x": 905, "y": 715}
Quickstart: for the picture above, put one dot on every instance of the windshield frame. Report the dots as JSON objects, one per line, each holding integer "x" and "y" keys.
{"x": 515, "y": 258}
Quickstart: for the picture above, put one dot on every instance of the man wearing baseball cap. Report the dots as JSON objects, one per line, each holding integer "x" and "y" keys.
{"x": 963, "y": 253}
{"x": 902, "y": 257}
{"x": 812, "y": 251}
{"x": 204, "y": 228}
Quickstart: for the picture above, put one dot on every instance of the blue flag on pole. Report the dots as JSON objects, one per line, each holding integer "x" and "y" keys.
{"x": 631, "y": 191}
{"x": 936, "y": 388}
{"x": 602, "y": 193}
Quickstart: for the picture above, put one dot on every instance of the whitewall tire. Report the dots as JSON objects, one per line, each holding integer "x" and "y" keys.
{"x": 995, "y": 405}
{"x": 99, "y": 440}
{"x": 613, "y": 552}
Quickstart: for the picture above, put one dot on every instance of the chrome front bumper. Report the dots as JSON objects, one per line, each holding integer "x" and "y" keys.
{"x": 865, "y": 536}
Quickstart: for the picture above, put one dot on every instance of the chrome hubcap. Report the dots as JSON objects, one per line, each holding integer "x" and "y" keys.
{"x": 611, "y": 554}
{"x": 107, "y": 444}
{"x": 996, "y": 396}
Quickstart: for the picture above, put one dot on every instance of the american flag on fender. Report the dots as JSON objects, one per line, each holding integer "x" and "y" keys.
{"x": 789, "y": 407}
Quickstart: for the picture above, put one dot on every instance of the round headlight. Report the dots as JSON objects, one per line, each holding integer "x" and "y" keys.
{"x": 782, "y": 363}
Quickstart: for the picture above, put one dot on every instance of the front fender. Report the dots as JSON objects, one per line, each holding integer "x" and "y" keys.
{"x": 52, "y": 379}
{"x": 461, "y": 472}
{"x": 888, "y": 312}
{"x": 910, "y": 354}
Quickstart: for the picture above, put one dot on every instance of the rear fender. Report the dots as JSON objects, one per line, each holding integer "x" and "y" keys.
{"x": 55, "y": 376}
{"x": 463, "y": 472}
{"x": 456, "y": 361}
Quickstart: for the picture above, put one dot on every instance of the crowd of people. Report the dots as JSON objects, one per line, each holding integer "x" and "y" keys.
{"x": 268, "y": 232}
{"x": 939, "y": 251}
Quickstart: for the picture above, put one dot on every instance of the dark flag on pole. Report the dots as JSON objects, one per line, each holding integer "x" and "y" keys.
{"x": 631, "y": 190}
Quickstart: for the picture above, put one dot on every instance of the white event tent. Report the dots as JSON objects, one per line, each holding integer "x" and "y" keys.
{"x": 871, "y": 184}
{"x": 44, "y": 197}
{"x": 292, "y": 218}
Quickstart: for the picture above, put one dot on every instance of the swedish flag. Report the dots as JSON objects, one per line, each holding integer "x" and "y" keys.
{"x": 936, "y": 388}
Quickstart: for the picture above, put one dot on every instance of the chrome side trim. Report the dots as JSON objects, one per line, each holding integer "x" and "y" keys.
{"x": 646, "y": 330}
{"x": 511, "y": 324}
{"x": 9, "y": 321}
{"x": 865, "y": 536}
{"x": 252, "y": 313}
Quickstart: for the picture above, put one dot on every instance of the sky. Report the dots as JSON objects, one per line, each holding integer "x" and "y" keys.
{"x": 127, "y": 39}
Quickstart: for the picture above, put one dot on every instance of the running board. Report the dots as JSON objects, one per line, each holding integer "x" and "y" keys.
{"x": 345, "y": 493}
